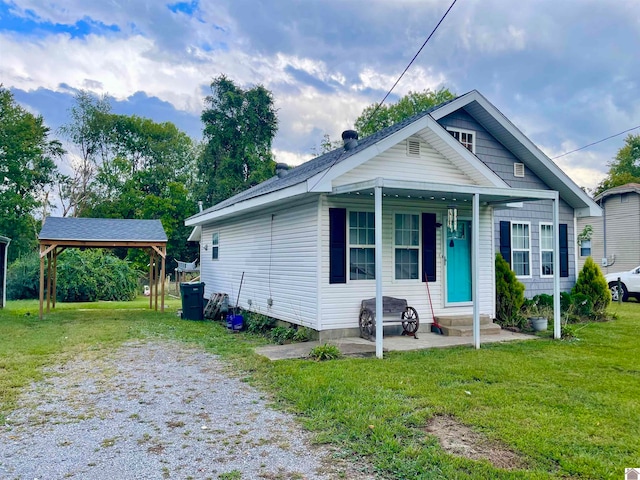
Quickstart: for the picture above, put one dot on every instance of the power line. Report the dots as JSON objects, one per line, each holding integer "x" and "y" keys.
{"x": 410, "y": 63}
{"x": 597, "y": 142}
{"x": 394, "y": 86}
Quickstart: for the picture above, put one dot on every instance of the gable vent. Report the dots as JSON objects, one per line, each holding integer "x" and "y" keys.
{"x": 413, "y": 147}
{"x": 518, "y": 169}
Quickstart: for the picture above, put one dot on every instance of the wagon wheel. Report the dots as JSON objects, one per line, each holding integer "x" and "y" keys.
{"x": 410, "y": 321}
{"x": 367, "y": 323}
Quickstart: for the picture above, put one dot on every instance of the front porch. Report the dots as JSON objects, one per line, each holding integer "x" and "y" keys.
{"x": 357, "y": 346}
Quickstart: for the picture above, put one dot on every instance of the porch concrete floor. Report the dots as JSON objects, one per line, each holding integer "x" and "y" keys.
{"x": 395, "y": 343}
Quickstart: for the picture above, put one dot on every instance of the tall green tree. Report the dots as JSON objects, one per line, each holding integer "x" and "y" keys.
{"x": 625, "y": 168}
{"x": 414, "y": 102}
{"x": 27, "y": 170}
{"x": 239, "y": 126}
{"x": 89, "y": 130}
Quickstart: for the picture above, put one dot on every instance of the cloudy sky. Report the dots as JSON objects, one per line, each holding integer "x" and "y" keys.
{"x": 566, "y": 72}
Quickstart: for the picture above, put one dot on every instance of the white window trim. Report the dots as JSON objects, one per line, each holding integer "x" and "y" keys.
{"x": 469, "y": 132}
{"x": 357, "y": 245}
{"x": 521, "y": 249}
{"x": 546, "y": 249}
{"x": 416, "y": 247}
{"x": 215, "y": 245}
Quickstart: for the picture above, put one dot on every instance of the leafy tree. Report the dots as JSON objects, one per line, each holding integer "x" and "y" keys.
{"x": 27, "y": 170}
{"x": 89, "y": 130}
{"x": 239, "y": 126}
{"x": 625, "y": 168}
{"x": 412, "y": 103}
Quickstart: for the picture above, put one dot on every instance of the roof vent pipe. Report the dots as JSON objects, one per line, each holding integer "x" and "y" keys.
{"x": 200, "y": 205}
{"x": 350, "y": 139}
{"x": 282, "y": 169}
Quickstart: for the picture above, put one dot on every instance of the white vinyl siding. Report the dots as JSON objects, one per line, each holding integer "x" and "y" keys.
{"x": 429, "y": 166}
{"x": 521, "y": 249}
{"x": 277, "y": 251}
{"x": 546, "y": 250}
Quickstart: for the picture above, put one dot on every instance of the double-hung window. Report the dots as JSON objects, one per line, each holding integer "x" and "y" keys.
{"x": 407, "y": 246}
{"x": 215, "y": 246}
{"x": 546, "y": 250}
{"x": 521, "y": 249}
{"x": 362, "y": 241}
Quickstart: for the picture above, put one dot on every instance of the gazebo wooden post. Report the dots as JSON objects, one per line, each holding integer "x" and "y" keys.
{"x": 151, "y": 255}
{"x": 155, "y": 280}
{"x": 49, "y": 262}
{"x": 162, "y": 279}
{"x": 55, "y": 277}
{"x": 41, "y": 280}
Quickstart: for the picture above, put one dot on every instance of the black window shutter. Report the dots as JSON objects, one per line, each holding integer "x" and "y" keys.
{"x": 429, "y": 247}
{"x": 564, "y": 250}
{"x": 337, "y": 245}
{"x": 505, "y": 241}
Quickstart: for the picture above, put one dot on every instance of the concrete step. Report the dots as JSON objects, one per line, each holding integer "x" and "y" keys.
{"x": 465, "y": 331}
{"x": 462, "y": 320}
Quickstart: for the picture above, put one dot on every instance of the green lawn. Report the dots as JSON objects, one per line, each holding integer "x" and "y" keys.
{"x": 570, "y": 409}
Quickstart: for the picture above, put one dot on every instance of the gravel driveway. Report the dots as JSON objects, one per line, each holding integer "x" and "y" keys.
{"x": 152, "y": 410}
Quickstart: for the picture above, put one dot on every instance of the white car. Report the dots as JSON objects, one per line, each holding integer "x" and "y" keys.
{"x": 629, "y": 284}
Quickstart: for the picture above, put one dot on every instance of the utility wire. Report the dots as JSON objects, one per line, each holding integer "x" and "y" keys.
{"x": 595, "y": 143}
{"x": 394, "y": 86}
{"x": 375, "y": 110}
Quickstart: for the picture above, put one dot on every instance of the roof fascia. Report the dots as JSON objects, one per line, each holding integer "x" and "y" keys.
{"x": 250, "y": 204}
{"x": 567, "y": 183}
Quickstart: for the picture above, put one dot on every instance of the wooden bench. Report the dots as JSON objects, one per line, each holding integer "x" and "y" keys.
{"x": 404, "y": 315}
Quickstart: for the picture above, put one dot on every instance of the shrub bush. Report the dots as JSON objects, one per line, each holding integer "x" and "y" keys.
{"x": 509, "y": 295}
{"x": 280, "y": 335}
{"x": 591, "y": 282}
{"x": 258, "y": 323}
{"x": 83, "y": 276}
{"x": 23, "y": 277}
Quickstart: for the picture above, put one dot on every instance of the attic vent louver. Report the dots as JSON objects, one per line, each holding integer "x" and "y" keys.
{"x": 518, "y": 169}
{"x": 413, "y": 147}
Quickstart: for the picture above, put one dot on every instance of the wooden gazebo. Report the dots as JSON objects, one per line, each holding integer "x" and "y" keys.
{"x": 58, "y": 234}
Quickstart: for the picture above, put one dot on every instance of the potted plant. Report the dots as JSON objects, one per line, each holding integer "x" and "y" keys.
{"x": 538, "y": 315}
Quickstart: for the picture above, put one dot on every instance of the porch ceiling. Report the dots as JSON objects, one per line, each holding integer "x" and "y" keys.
{"x": 495, "y": 196}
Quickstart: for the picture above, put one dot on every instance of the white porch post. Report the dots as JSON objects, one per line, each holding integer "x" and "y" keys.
{"x": 378, "y": 258}
{"x": 475, "y": 271}
{"x": 556, "y": 268}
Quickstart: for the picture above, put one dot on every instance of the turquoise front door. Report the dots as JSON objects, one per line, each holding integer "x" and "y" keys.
{"x": 459, "y": 263}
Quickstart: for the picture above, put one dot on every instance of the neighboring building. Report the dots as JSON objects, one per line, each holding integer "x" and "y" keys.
{"x": 4, "y": 246}
{"x": 615, "y": 237}
{"x": 305, "y": 240}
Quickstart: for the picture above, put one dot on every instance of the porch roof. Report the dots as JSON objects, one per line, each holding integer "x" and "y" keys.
{"x": 439, "y": 192}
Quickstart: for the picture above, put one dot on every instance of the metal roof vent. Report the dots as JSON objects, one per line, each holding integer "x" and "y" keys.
{"x": 413, "y": 147}
{"x": 282, "y": 169}
{"x": 350, "y": 139}
{"x": 518, "y": 170}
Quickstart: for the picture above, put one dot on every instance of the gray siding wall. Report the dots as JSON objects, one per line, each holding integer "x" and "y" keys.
{"x": 501, "y": 161}
{"x": 622, "y": 217}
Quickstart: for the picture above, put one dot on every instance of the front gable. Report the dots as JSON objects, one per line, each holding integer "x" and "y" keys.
{"x": 422, "y": 151}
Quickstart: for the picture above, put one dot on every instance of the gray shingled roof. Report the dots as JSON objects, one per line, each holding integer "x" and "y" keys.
{"x": 304, "y": 172}
{"x": 626, "y": 188}
{"x": 102, "y": 230}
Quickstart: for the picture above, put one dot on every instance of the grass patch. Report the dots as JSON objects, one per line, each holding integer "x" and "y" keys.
{"x": 568, "y": 409}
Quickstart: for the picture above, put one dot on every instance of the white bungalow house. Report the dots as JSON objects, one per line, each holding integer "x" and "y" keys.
{"x": 433, "y": 197}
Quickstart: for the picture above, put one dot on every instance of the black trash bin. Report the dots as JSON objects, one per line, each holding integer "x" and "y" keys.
{"x": 192, "y": 300}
